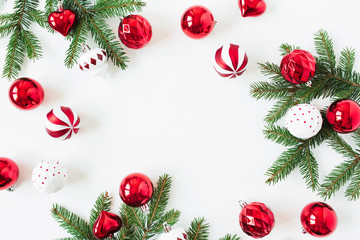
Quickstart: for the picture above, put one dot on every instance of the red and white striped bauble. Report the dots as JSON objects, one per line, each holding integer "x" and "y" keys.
{"x": 93, "y": 61}
{"x": 62, "y": 123}
{"x": 230, "y": 61}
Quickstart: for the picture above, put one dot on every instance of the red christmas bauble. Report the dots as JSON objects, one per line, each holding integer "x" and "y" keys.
{"x": 252, "y": 8}
{"x": 26, "y": 93}
{"x": 135, "y": 31}
{"x": 344, "y": 116}
{"x": 62, "y": 21}
{"x": 106, "y": 224}
{"x": 256, "y": 220}
{"x": 9, "y": 173}
{"x": 136, "y": 190}
{"x": 318, "y": 219}
{"x": 298, "y": 66}
{"x": 197, "y": 22}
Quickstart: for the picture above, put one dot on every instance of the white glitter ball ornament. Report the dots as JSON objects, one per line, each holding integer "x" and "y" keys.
{"x": 303, "y": 121}
{"x": 49, "y": 176}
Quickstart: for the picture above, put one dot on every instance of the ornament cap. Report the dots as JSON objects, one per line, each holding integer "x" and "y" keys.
{"x": 242, "y": 203}
{"x": 308, "y": 83}
{"x": 145, "y": 208}
{"x": 304, "y": 231}
{"x": 60, "y": 6}
{"x": 166, "y": 227}
{"x": 85, "y": 48}
{"x": 11, "y": 189}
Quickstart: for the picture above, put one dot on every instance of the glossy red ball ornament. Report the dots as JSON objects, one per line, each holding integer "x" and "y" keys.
{"x": 135, "y": 31}
{"x": 344, "y": 115}
{"x": 62, "y": 21}
{"x": 9, "y": 173}
{"x": 197, "y": 22}
{"x": 252, "y": 8}
{"x": 136, "y": 190}
{"x": 26, "y": 93}
{"x": 298, "y": 66}
{"x": 318, "y": 219}
{"x": 106, "y": 224}
{"x": 256, "y": 219}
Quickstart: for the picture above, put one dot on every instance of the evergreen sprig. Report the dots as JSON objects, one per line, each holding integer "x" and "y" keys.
{"x": 332, "y": 80}
{"x": 136, "y": 225}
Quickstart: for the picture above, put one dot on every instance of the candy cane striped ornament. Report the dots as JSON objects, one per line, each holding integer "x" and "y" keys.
{"x": 227, "y": 62}
{"x": 62, "y": 123}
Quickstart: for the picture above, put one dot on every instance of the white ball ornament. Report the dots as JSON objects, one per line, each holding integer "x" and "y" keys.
{"x": 173, "y": 234}
{"x": 303, "y": 121}
{"x": 49, "y": 176}
{"x": 93, "y": 61}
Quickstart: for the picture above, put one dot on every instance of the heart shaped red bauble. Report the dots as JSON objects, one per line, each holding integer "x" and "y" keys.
{"x": 62, "y": 21}
{"x": 106, "y": 224}
{"x": 252, "y": 8}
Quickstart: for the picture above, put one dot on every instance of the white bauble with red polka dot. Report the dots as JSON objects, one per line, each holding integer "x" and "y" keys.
{"x": 49, "y": 176}
{"x": 303, "y": 121}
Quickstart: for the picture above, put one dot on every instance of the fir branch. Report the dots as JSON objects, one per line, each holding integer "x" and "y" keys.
{"x": 281, "y": 135}
{"x": 347, "y": 61}
{"x": 103, "y": 203}
{"x": 32, "y": 44}
{"x": 356, "y": 136}
{"x": 353, "y": 190}
{"x": 309, "y": 168}
{"x": 270, "y": 91}
{"x": 325, "y": 50}
{"x": 171, "y": 217}
{"x": 74, "y": 225}
{"x": 273, "y": 72}
{"x": 229, "y": 237}
{"x": 78, "y": 38}
{"x": 279, "y": 109}
{"x": 286, "y": 48}
{"x": 116, "y": 8}
{"x": 340, "y": 146}
{"x": 199, "y": 229}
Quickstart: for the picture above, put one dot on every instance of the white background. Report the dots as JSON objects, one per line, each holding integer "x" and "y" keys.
{"x": 169, "y": 112}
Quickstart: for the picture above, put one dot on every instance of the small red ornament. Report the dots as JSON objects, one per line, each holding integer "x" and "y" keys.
{"x": 344, "y": 116}
{"x": 298, "y": 66}
{"x": 252, "y": 8}
{"x": 135, "y": 31}
{"x": 256, "y": 219}
{"x": 9, "y": 173}
{"x": 136, "y": 190}
{"x": 197, "y": 22}
{"x": 26, "y": 93}
{"x": 62, "y": 20}
{"x": 318, "y": 219}
{"x": 106, "y": 224}
{"x": 230, "y": 61}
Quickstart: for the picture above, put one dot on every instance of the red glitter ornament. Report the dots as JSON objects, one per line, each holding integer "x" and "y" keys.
{"x": 344, "y": 116}
{"x": 62, "y": 20}
{"x": 256, "y": 219}
{"x": 26, "y": 93}
{"x": 136, "y": 190}
{"x": 318, "y": 219}
{"x": 135, "y": 31}
{"x": 298, "y": 66}
{"x": 252, "y": 8}
{"x": 197, "y": 22}
{"x": 9, "y": 173}
{"x": 106, "y": 224}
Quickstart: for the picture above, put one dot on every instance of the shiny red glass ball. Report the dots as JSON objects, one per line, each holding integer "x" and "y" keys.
{"x": 135, "y": 31}
{"x": 9, "y": 173}
{"x": 26, "y": 93}
{"x": 256, "y": 220}
{"x": 318, "y": 219}
{"x": 136, "y": 190}
{"x": 344, "y": 116}
{"x": 106, "y": 224}
{"x": 298, "y": 66}
{"x": 197, "y": 22}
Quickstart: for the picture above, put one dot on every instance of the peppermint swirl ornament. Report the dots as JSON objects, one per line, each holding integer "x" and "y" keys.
{"x": 230, "y": 61}
{"x": 49, "y": 176}
{"x": 62, "y": 123}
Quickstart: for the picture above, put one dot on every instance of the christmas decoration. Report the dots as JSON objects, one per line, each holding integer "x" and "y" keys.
{"x": 106, "y": 225}
{"x": 227, "y": 62}
{"x": 197, "y": 22}
{"x": 62, "y": 20}
{"x": 135, "y": 31}
{"x": 256, "y": 219}
{"x": 344, "y": 116}
{"x": 93, "y": 61}
{"x": 331, "y": 80}
{"x": 62, "y": 123}
{"x": 252, "y": 8}
{"x": 173, "y": 234}
{"x": 49, "y": 176}
{"x": 136, "y": 225}
{"x": 9, "y": 174}
{"x": 318, "y": 219}
{"x": 26, "y": 93}
{"x": 136, "y": 190}
{"x": 303, "y": 121}
{"x": 298, "y": 66}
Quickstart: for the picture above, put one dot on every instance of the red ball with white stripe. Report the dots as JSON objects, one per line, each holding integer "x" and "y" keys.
{"x": 230, "y": 61}
{"x": 62, "y": 123}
